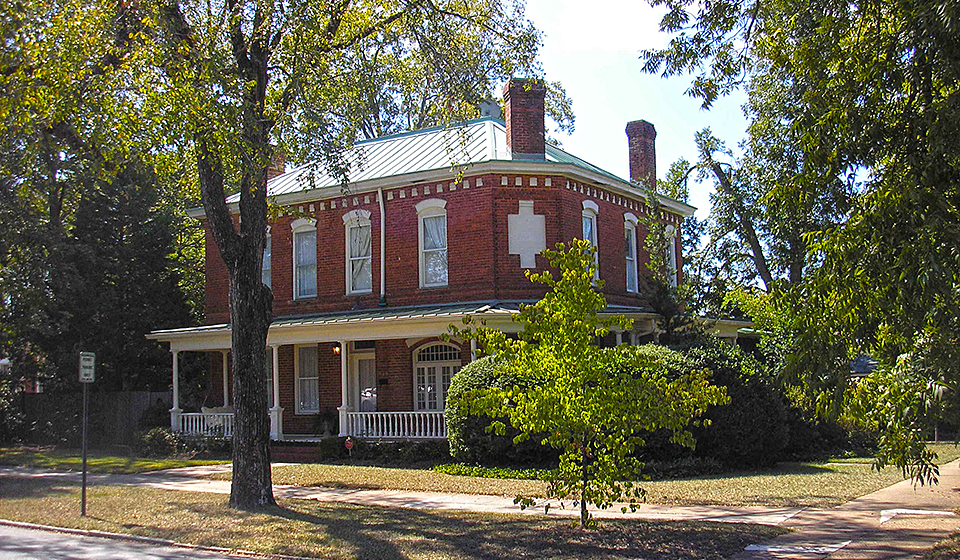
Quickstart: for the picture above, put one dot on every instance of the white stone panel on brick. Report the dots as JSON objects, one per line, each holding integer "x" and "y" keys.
{"x": 527, "y": 234}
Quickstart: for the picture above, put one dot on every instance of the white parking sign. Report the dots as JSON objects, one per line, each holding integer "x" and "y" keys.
{"x": 88, "y": 365}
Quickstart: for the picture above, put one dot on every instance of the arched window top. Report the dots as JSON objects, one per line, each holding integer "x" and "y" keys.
{"x": 434, "y": 204}
{"x": 438, "y": 352}
{"x": 631, "y": 219}
{"x": 671, "y": 231}
{"x": 303, "y": 223}
{"x": 361, "y": 216}
{"x": 591, "y": 206}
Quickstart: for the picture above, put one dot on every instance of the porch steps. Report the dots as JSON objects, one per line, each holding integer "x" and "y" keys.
{"x": 295, "y": 453}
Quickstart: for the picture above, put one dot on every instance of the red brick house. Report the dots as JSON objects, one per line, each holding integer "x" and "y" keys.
{"x": 436, "y": 225}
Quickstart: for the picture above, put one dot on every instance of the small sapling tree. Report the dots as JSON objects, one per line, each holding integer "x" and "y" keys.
{"x": 592, "y": 404}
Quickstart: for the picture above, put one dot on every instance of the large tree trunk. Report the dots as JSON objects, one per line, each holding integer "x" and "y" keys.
{"x": 250, "y": 313}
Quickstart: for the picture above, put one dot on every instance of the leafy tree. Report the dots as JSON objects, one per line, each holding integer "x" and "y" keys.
{"x": 872, "y": 89}
{"x": 592, "y": 403}
{"x": 227, "y": 84}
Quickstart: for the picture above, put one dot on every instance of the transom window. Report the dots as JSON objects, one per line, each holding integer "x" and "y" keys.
{"x": 304, "y": 258}
{"x": 434, "y": 367}
{"x": 359, "y": 272}
{"x": 432, "y": 217}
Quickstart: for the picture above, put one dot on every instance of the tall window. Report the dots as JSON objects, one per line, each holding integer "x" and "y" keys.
{"x": 432, "y": 217}
{"x": 266, "y": 273}
{"x": 590, "y": 211}
{"x": 671, "y": 256}
{"x": 304, "y": 258}
{"x": 308, "y": 380}
{"x": 630, "y": 239}
{"x": 359, "y": 275}
{"x": 269, "y": 368}
{"x": 433, "y": 367}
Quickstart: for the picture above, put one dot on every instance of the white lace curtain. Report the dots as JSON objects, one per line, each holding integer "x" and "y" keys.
{"x": 435, "y": 250}
{"x": 361, "y": 275}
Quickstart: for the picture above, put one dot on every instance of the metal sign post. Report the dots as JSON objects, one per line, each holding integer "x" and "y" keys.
{"x": 88, "y": 364}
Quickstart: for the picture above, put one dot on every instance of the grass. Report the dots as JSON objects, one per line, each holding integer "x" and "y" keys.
{"x": 790, "y": 484}
{"x": 70, "y": 460}
{"x": 338, "y": 531}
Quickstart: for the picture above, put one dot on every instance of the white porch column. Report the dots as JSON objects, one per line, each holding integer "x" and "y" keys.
{"x": 344, "y": 402}
{"x": 276, "y": 413}
{"x": 226, "y": 388}
{"x": 633, "y": 338}
{"x": 176, "y": 410}
{"x": 473, "y": 349}
{"x": 619, "y": 338}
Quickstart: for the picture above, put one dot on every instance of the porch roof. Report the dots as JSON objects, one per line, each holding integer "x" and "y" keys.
{"x": 367, "y": 324}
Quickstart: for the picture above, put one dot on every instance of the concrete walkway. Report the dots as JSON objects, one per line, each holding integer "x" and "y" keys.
{"x": 897, "y": 522}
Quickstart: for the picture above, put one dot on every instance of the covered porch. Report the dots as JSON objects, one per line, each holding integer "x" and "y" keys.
{"x": 377, "y": 374}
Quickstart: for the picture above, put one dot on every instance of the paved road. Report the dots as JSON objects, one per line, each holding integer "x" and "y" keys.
{"x": 27, "y": 544}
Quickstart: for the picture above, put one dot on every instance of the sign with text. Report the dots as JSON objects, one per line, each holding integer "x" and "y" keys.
{"x": 88, "y": 367}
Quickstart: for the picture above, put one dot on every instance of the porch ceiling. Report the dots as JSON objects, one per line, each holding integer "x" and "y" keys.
{"x": 366, "y": 324}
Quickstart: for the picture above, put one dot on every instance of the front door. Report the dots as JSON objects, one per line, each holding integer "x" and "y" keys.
{"x": 363, "y": 397}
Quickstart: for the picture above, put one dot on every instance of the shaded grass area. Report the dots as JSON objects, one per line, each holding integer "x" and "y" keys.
{"x": 947, "y": 549}
{"x": 339, "y": 531}
{"x": 789, "y": 484}
{"x": 70, "y": 460}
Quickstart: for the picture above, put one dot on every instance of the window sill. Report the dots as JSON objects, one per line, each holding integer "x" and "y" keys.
{"x": 364, "y": 293}
{"x": 304, "y": 298}
{"x": 307, "y": 412}
{"x": 435, "y": 286}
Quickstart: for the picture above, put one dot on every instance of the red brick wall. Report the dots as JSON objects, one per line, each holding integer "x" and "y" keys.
{"x": 480, "y": 265}
{"x": 523, "y": 103}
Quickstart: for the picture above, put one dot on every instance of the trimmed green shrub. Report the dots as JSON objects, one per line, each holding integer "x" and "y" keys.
{"x": 751, "y": 431}
{"x": 159, "y": 443}
{"x": 459, "y": 469}
{"x": 467, "y": 433}
{"x": 392, "y": 453}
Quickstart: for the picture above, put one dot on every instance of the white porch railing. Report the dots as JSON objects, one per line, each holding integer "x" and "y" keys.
{"x": 396, "y": 425}
{"x": 209, "y": 424}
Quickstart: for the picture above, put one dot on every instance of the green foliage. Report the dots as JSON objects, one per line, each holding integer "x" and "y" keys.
{"x": 860, "y": 95}
{"x": 591, "y": 404}
{"x": 398, "y": 453}
{"x": 160, "y": 443}
{"x": 470, "y": 439}
{"x": 460, "y": 469}
{"x": 752, "y": 430}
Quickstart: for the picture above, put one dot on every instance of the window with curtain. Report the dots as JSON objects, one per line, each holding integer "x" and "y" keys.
{"x": 269, "y": 368}
{"x": 630, "y": 238}
{"x": 308, "y": 380}
{"x": 359, "y": 259}
{"x": 434, "y": 251}
{"x": 305, "y": 258}
{"x": 266, "y": 273}
{"x": 590, "y": 210}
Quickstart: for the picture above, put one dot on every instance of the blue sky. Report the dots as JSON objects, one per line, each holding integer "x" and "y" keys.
{"x": 592, "y": 48}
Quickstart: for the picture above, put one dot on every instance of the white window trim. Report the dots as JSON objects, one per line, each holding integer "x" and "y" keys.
{"x": 431, "y": 208}
{"x": 296, "y": 379}
{"x": 591, "y": 210}
{"x": 351, "y": 219}
{"x": 268, "y": 241}
{"x": 671, "y": 255}
{"x": 300, "y": 225}
{"x": 441, "y": 392}
{"x": 630, "y": 222}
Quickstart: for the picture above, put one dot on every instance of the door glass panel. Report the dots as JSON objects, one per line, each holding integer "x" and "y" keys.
{"x": 367, "y": 375}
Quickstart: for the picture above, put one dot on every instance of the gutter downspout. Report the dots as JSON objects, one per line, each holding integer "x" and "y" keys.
{"x": 383, "y": 252}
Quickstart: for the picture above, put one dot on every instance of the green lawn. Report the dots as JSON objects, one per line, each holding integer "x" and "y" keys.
{"x": 790, "y": 484}
{"x": 70, "y": 460}
{"x": 338, "y": 531}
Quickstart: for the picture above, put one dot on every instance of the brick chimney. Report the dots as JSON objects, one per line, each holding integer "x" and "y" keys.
{"x": 278, "y": 165}
{"x": 523, "y": 100}
{"x": 642, "y": 145}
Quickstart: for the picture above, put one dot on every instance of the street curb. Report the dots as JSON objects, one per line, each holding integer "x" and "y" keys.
{"x": 151, "y": 540}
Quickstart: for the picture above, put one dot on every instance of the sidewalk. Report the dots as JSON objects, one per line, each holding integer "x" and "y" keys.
{"x": 897, "y": 522}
